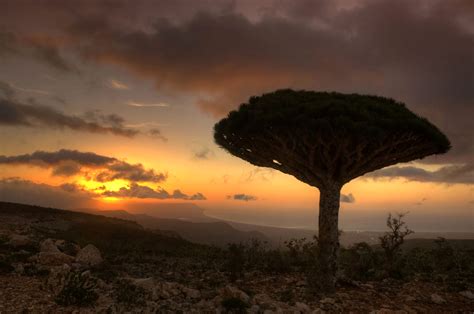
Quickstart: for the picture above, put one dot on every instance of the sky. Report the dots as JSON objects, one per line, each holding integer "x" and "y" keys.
{"x": 109, "y": 104}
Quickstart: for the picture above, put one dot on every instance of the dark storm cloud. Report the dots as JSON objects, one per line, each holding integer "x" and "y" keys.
{"x": 462, "y": 174}
{"x": 242, "y": 197}
{"x": 70, "y": 162}
{"x": 14, "y": 113}
{"x": 141, "y": 191}
{"x": 349, "y": 198}
{"x": 419, "y": 52}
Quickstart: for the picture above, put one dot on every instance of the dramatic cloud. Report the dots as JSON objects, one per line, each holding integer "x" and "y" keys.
{"x": 70, "y": 162}
{"x": 416, "y": 51}
{"x": 242, "y": 197}
{"x": 141, "y": 191}
{"x": 462, "y": 174}
{"x": 35, "y": 47}
{"x": 14, "y": 113}
{"x": 347, "y": 198}
{"x": 27, "y": 192}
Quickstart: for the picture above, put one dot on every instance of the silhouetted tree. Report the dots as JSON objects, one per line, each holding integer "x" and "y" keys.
{"x": 392, "y": 240}
{"x": 326, "y": 140}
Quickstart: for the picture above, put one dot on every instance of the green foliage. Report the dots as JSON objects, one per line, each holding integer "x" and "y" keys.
{"x": 234, "y": 305}
{"x": 78, "y": 290}
{"x": 304, "y": 131}
{"x": 129, "y": 294}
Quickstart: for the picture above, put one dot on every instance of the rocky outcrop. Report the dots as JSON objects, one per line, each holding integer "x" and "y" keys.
{"x": 52, "y": 258}
{"x": 49, "y": 246}
{"x": 89, "y": 256}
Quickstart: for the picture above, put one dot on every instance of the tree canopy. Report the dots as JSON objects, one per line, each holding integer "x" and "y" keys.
{"x": 321, "y": 137}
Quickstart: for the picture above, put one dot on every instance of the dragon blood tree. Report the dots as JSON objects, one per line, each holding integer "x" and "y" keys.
{"x": 326, "y": 140}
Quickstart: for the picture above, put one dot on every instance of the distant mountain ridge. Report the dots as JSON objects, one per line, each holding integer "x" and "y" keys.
{"x": 208, "y": 230}
{"x": 217, "y": 233}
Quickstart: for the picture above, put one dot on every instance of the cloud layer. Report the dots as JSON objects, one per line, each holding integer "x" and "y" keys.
{"x": 142, "y": 191}
{"x": 15, "y": 113}
{"x": 349, "y": 198}
{"x": 417, "y": 51}
{"x": 242, "y": 197}
{"x": 71, "y": 162}
{"x": 461, "y": 174}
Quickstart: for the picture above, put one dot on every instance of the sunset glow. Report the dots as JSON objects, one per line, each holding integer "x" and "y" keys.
{"x": 105, "y": 122}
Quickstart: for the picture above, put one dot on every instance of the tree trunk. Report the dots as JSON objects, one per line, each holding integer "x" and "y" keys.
{"x": 328, "y": 236}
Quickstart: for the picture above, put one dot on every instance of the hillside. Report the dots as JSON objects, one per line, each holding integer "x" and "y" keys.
{"x": 111, "y": 235}
{"x": 217, "y": 233}
{"x": 58, "y": 261}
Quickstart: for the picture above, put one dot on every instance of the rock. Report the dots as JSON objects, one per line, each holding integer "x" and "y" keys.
{"x": 89, "y": 255}
{"x": 388, "y": 311}
{"x": 170, "y": 289}
{"x": 17, "y": 240}
{"x": 410, "y": 299}
{"x": 233, "y": 292}
{"x": 67, "y": 247}
{"x": 254, "y": 309}
{"x": 366, "y": 286}
{"x": 437, "y": 299}
{"x": 302, "y": 307}
{"x": 191, "y": 293}
{"x": 147, "y": 284}
{"x": 53, "y": 259}
{"x": 468, "y": 294}
{"x": 327, "y": 301}
{"x": 300, "y": 283}
{"x": 19, "y": 268}
{"x": 48, "y": 246}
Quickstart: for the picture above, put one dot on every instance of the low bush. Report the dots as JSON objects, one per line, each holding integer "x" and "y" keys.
{"x": 78, "y": 290}
{"x": 129, "y": 294}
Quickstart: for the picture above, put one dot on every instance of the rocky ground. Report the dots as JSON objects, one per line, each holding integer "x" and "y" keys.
{"x": 44, "y": 273}
{"x": 34, "y": 284}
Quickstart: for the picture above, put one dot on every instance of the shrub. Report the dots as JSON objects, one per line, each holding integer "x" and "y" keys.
{"x": 78, "y": 290}
{"x": 234, "y": 305}
{"x": 391, "y": 243}
{"x": 359, "y": 261}
{"x": 236, "y": 260}
{"x": 129, "y": 294}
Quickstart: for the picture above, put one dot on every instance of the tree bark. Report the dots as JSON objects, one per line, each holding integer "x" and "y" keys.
{"x": 328, "y": 236}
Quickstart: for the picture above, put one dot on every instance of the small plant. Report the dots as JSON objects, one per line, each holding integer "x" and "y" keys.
{"x": 33, "y": 270}
{"x": 78, "y": 290}
{"x": 236, "y": 261}
{"x": 129, "y": 294}
{"x": 358, "y": 262}
{"x": 234, "y": 305}
{"x": 392, "y": 241}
